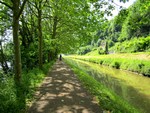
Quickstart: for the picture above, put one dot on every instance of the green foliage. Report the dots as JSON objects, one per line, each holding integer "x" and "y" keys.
{"x": 145, "y": 68}
{"x": 84, "y": 50}
{"x": 115, "y": 64}
{"x": 135, "y": 25}
{"x": 8, "y": 102}
{"x": 31, "y": 79}
{"x": 98, "y": 42}
{"x": 46, "y": 67}
{"x": 134, "y": 45}
{"x": 107, "y": 99}
{"x": 110, "y": 43}
{"x": 29, "y": 56}
{"x": 100, "y": 50}
{"x": 128, "y": 24}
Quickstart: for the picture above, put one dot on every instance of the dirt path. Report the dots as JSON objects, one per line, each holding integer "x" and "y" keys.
{"x": 61, "y": 92}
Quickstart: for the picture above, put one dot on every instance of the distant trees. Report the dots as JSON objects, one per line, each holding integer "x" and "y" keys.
{"x": 130, "y": 23}
{"x": 137, "y": 22}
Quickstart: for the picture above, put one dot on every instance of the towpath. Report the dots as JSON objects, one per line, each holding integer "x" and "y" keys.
{"x": 61, "y": 92}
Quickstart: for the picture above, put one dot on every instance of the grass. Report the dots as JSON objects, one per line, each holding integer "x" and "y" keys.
{"x": 107, "y": 99}
{"x": 135, "y": 62}
{"x": 138, "y": 55}
{"x": 30, "y": 81}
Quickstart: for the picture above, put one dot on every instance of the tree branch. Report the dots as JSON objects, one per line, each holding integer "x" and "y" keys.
{"x": 22, "y": 7}
{"x": 6, "y": 4}
{"x": 30, "y": 8}
{"x": 33, "y": 11}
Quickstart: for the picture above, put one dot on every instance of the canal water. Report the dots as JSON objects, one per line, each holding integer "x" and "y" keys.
{"x": 132, "y": 87}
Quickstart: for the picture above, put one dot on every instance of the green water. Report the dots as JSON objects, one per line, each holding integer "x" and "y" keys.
{"x": 132, "y": 87}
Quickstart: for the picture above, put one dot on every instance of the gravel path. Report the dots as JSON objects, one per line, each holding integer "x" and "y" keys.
{"x": 61, "y": 92}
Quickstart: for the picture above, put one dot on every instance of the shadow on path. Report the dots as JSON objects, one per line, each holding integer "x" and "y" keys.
{"x": 61, "y": 92}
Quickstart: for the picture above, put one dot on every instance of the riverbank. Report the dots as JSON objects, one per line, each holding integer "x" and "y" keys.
{"x": 107, "y": 99}
{"x": 135, "y": 62}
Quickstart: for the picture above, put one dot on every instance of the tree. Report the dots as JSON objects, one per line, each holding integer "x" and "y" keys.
{"x": 3, "y": 33}
{"x": 106, "y": 48}
{"x": 17, "y": 9}
{"x": 3, "y": 59}
{"x": 39, "y": 6}
{"x": 74, "y": 23}
{"x": 137, "y": 22}
{"x": 39, "y": 9}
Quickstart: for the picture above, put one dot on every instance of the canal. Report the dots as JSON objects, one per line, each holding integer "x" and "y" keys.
{"x": 130, "y": 86}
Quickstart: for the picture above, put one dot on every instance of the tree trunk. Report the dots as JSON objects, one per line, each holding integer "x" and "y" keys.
{"x": 106, "y": 48}
{"x": 40, "y": 36}
{"x": 17, "y": 55}
{"x": 54, "y": 35}
{"x": 54, "y": 27}
{"x": 16, "y": 41}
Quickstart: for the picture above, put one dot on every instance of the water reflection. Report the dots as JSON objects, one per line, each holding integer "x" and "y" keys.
{"x": 130, "y": 86}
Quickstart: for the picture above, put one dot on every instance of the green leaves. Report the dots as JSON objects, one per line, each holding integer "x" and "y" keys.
{"x": 137, "y": 21}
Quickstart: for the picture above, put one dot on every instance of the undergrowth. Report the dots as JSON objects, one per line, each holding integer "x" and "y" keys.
{"x": 31, "y": 79}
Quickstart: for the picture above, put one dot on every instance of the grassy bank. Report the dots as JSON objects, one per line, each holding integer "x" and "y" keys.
{"x": 107, "y": 99}
{"x": 135, "y": 62}
{"x": 30, "y": 81}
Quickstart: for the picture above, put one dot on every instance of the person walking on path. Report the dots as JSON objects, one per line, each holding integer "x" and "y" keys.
{"x": 60, "y": 57}
{"x": 61, "y": 92}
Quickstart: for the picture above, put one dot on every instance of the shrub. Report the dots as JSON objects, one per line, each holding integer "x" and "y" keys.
{"x": 8, "y": 97}
{"x": 100, "y": 50}
{"x": 101, "y": 61}
{"x": 146, "y": 70}
{"x": 84, "y": 50}
{"x": 115, "y": 64}
{"x": 133, "y": 45}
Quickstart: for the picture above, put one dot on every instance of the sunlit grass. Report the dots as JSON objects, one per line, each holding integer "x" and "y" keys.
{"x": 138, "y": 55}
{"x": 135, "y": 62}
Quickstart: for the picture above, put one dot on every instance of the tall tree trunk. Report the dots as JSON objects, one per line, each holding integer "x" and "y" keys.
{"x": 106, "y": 48}
{"x": 55, "y": 20}
{"x": 17, "y": 55}
{"x": 40, "y": 36}
{"x": 54, "y": 27}
{"x": 16, "y": 42}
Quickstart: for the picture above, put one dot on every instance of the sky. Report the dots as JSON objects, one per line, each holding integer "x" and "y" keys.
{"x": 118, "y": 4}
